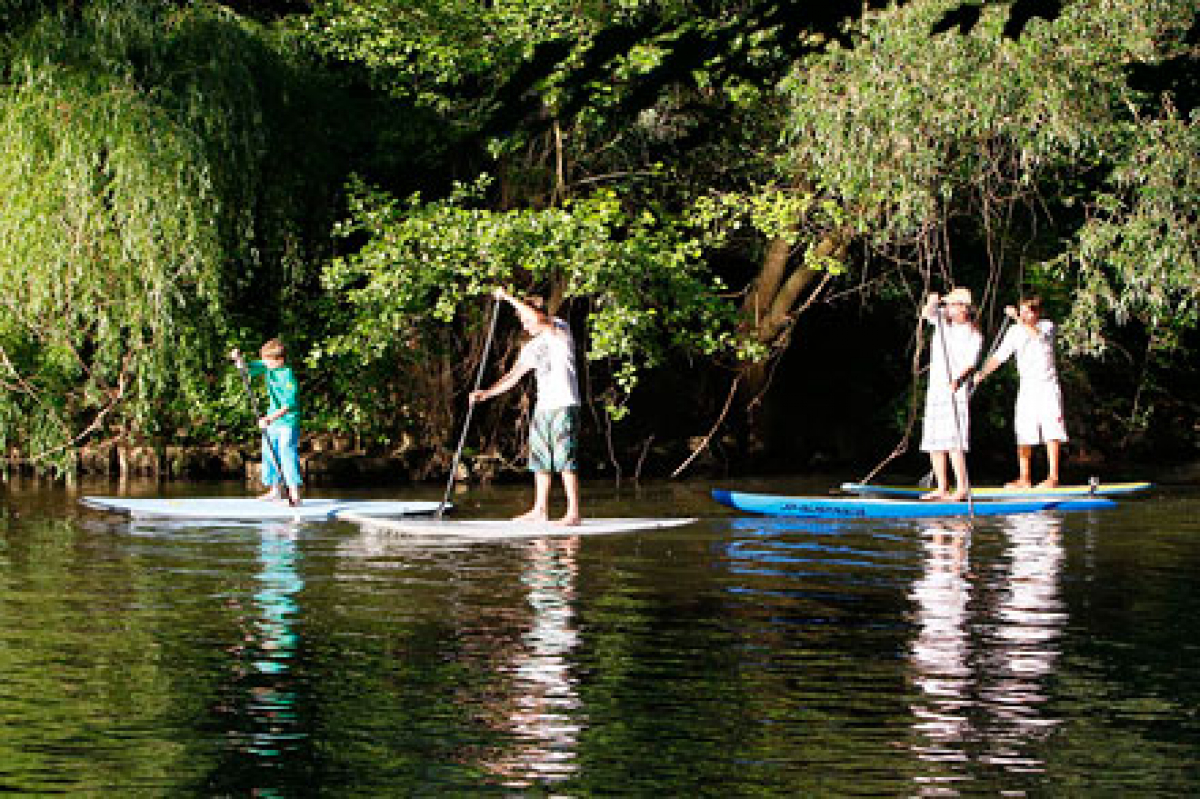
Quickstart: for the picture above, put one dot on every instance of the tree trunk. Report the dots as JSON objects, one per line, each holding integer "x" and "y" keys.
{"x": 778, "y": 295}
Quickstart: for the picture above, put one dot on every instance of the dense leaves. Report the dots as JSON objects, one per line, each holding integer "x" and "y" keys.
{"x": 684, "y": 181}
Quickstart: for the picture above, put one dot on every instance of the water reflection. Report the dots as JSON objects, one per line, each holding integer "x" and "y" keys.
{"x": 543, "y": 714}
{"x": 271, "y": 724}
{"x": 940, "y": 652}
{"x": 982, "y": 685}
{"x": 1024, "y": 644}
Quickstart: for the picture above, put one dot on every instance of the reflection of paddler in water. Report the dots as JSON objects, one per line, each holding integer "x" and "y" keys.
{"x": 268, "y": 717}
{"x": 554, "y": 429}
{"x": 541, "y": 716}
{"x": 1022, "y": 647}
{"x": 940, "y": 653}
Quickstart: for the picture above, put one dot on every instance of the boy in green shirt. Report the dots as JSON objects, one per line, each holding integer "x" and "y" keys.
{"x": 281, "y": 424}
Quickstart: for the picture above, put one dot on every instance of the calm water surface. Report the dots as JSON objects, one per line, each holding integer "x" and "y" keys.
{"x": 1034, "y": 655}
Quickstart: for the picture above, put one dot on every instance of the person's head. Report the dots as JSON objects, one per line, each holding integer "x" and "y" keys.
{"x": 273, "y": 353}
{"x": 533, "y": 316}
{"x": 958, "y": 305}
{"x": 1031, "y": 309}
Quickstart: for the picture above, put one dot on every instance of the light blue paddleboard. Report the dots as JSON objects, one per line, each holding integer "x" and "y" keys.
{"x": 859, "y": 508}
{"x": 999, "y": 492}
{"x": 511, "y": 528}
{"x": 250, "y": 509}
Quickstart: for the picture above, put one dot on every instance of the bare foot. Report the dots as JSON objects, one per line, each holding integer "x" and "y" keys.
{"x": 1018, "y": 484}
{"x": 270, "y": 496}
{"x": 1049, "y": 482}
{"x": 934, "y": 495}
{"x": 569, "y": 520}
{"x": 532, "y": 515}
{"x": 958, "y": 496}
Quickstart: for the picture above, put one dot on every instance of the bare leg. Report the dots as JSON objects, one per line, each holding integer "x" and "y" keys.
{"x": 570, "y": 481}
{"x": 541, "y": 499}
{"x": 958, "y": 459}
{"x": 1024, "y": 466}
{"x": 1053, "y": 456}
{"x": 937, "y": 460}
{"x": 294, "y": 495}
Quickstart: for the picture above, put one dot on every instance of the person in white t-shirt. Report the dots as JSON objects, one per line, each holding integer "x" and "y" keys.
{"x": 554, "y": 429}
{"x": 946, "y": 428}
{"x": 1039, "y": 414}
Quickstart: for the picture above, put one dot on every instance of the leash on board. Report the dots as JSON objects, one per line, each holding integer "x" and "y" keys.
{"x": 265, "y": 435}
{"x": 487, "y": 345}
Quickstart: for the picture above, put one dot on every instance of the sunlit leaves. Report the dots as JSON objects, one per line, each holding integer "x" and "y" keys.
{"x": 642, "y": 280}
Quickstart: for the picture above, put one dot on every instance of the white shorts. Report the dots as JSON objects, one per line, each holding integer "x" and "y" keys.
{"x": 1039, "y": 416}
{"x": 941, "y": 432}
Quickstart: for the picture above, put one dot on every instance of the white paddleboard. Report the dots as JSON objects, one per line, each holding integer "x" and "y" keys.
{"x": 250, "y": 509}
{"x": 507, "y": 528}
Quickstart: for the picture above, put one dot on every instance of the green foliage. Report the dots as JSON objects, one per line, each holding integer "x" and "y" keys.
{"x": 143, "y": 205}
{"x": 1138, "y": 254}
{"x": 913, "y": 134}
{"x": 108, "y": 243}
{"x": 647, "y": 290}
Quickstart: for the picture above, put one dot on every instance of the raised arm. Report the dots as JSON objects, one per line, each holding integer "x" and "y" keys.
{"x": 993, "y": 363}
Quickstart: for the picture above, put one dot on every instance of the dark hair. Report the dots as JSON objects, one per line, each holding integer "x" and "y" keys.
{"x": 1033, "y": 302}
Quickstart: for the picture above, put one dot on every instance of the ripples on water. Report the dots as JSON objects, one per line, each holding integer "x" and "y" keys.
{"x": 1035, "y": 655}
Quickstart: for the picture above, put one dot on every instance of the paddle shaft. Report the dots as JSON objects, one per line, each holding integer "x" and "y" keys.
{"x": 941, "y": 333}
{"x": 257, "y": 415}
{"x": 462, "y": 438}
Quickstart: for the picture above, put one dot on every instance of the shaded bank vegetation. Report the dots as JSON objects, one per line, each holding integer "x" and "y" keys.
{"x": 738, "y": 206}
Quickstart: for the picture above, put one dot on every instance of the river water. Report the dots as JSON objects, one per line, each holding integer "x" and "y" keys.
{"x": 1040, "y": 655}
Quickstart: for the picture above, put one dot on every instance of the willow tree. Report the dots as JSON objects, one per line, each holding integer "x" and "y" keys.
{"x": 138, "y": 214}
{"x": 1037, "y": 155}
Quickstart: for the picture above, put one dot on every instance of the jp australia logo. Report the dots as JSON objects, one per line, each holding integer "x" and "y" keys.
{"x": 808, "y": 509}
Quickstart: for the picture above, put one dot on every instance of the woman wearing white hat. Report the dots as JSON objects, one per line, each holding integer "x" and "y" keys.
{"x": 947, "y": 425}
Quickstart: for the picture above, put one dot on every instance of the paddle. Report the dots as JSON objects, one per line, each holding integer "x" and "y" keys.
{"x": 487, "y": 345}
{"x": 941, "y": 334}
{"x": 241, "y": 365}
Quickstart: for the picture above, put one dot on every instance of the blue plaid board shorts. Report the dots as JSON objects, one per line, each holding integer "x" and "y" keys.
{"x": 554, "y": 439}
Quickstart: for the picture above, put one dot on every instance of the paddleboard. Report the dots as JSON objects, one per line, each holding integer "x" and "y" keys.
{"x": 507, "y": 528}
{"x": 861, "y": 508}
{"x": 248, "y": 508}
{"x": 999, "y": 492}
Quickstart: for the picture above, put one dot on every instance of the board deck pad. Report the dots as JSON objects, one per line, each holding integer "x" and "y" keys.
{"x": 864, "y": 508}
{"x": 1000, "y": 492}
{"x": 509, "y": 528}
{"x": 251, "y": 509}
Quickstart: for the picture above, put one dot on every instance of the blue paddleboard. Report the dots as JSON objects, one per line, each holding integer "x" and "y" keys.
{"x": 860, "y": 508}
